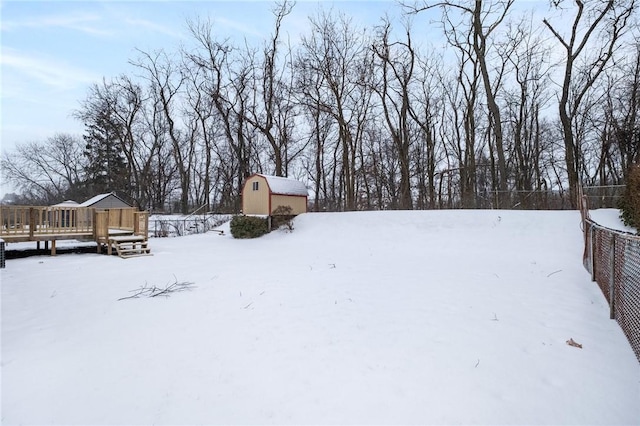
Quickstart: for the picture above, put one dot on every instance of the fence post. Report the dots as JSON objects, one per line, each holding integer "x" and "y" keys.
{"x": 2, "y": 254}
{"x": 594, "y": 245}
{"x": 593, "y": 252}
{"x": 612, "y": 277}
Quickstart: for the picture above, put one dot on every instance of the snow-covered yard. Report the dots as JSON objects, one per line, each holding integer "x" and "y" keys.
{"x": 425, "y": 317}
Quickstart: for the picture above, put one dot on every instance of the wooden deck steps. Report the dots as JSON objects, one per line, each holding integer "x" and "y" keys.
{"x": 129, "y": 246}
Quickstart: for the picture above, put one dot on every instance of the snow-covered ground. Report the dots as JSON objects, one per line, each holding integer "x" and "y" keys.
{"x": 424, "y": 317}
{"x": 610, "y": 218}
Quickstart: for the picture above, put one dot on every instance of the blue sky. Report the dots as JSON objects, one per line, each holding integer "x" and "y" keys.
{"x": 51, "y": 51}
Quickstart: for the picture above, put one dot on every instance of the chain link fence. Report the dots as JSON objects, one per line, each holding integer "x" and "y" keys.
{"x": 2, "y": 254}
{"x": 601, "y": 197}
{"x": 177, "y": 226}
{"x": 613, "y": 260}
{"x": 604, "y": 196}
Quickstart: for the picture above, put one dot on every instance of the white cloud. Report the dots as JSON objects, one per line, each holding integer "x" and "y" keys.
{"x": 237, "y": 26}
{"x": 152, "y": 26}
{"x": 106, "y": 24}
{"x": 47, "y": 71}
{"x": 89, "y": 23}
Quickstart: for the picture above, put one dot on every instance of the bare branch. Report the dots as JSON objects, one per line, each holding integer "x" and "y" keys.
{"x": 166, "y": 291}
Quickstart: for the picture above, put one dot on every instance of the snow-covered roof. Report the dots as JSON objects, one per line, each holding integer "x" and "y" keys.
{"x": 285, "y": 186}
{"x": 91, "y": 201}
{"x": 67, "y": 203}
{"x": 94, "y": 200}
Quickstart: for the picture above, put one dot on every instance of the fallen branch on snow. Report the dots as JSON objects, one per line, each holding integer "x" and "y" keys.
{"x": 146, "y": 291}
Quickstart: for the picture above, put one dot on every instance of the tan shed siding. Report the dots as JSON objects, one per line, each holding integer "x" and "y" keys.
{"x": 298, "y": 204}
{"x": 255, "y": 202}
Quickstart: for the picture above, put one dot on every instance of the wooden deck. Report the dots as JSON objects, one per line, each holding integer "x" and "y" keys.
{"x": 50, "y": 224}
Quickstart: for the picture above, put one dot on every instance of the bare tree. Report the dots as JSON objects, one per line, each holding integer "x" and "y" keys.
{"x": 309, "y": 84}
{"x": 121, "y": 103}
{"x": 460, "y": 121}
{"x": 165, "y": 80}
{"x": 158, "y": 176}
{"x": 336, "y": 56}
{"x": 620, "y": 122}
{"x": 47, "y": 172}
{"x": 602, "y": 19}
{"x": 484, "y": 20}
{"x": 424, "y": 109}
{"x": 529, "y": 80}
{"x": 397, "y": 66}
{"x": 203, "y": 127}
{"x": 272, "y": 100}
{"x": 226, "y": 73}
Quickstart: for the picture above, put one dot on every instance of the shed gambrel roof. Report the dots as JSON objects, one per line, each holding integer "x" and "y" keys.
{"x": 285, "y": 186}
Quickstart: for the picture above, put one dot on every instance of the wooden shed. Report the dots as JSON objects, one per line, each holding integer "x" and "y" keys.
{"x": 262, "y": 194}
{"x": 106, "y": 201}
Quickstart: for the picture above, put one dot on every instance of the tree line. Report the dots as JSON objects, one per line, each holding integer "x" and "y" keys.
{"x": 367, "y": 117}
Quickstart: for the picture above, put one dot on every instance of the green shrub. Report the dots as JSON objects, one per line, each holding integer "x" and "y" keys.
{"x": 248, "y": 226}
{"x": 629, "y": 204}
{"x": 282, "y": 217}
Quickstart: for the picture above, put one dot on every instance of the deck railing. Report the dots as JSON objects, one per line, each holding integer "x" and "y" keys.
{"x": 122, "y": 219}
{"x": 141, "y": 223}
{"x": 14, "y": 220}
{"x": 27, "y": 222}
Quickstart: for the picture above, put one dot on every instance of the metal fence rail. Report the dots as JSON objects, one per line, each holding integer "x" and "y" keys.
{"x": 613, "y": 259}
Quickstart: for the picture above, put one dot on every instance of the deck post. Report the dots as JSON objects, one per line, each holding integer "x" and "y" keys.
{"x": 32, "y": 221}
{"x": 136, "y": 223}
{"x": 53, "y": 247}
{"x": 95, "y": 228}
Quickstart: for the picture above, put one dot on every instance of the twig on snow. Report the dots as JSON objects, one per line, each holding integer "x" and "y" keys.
{"x": 153, "y": 291}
